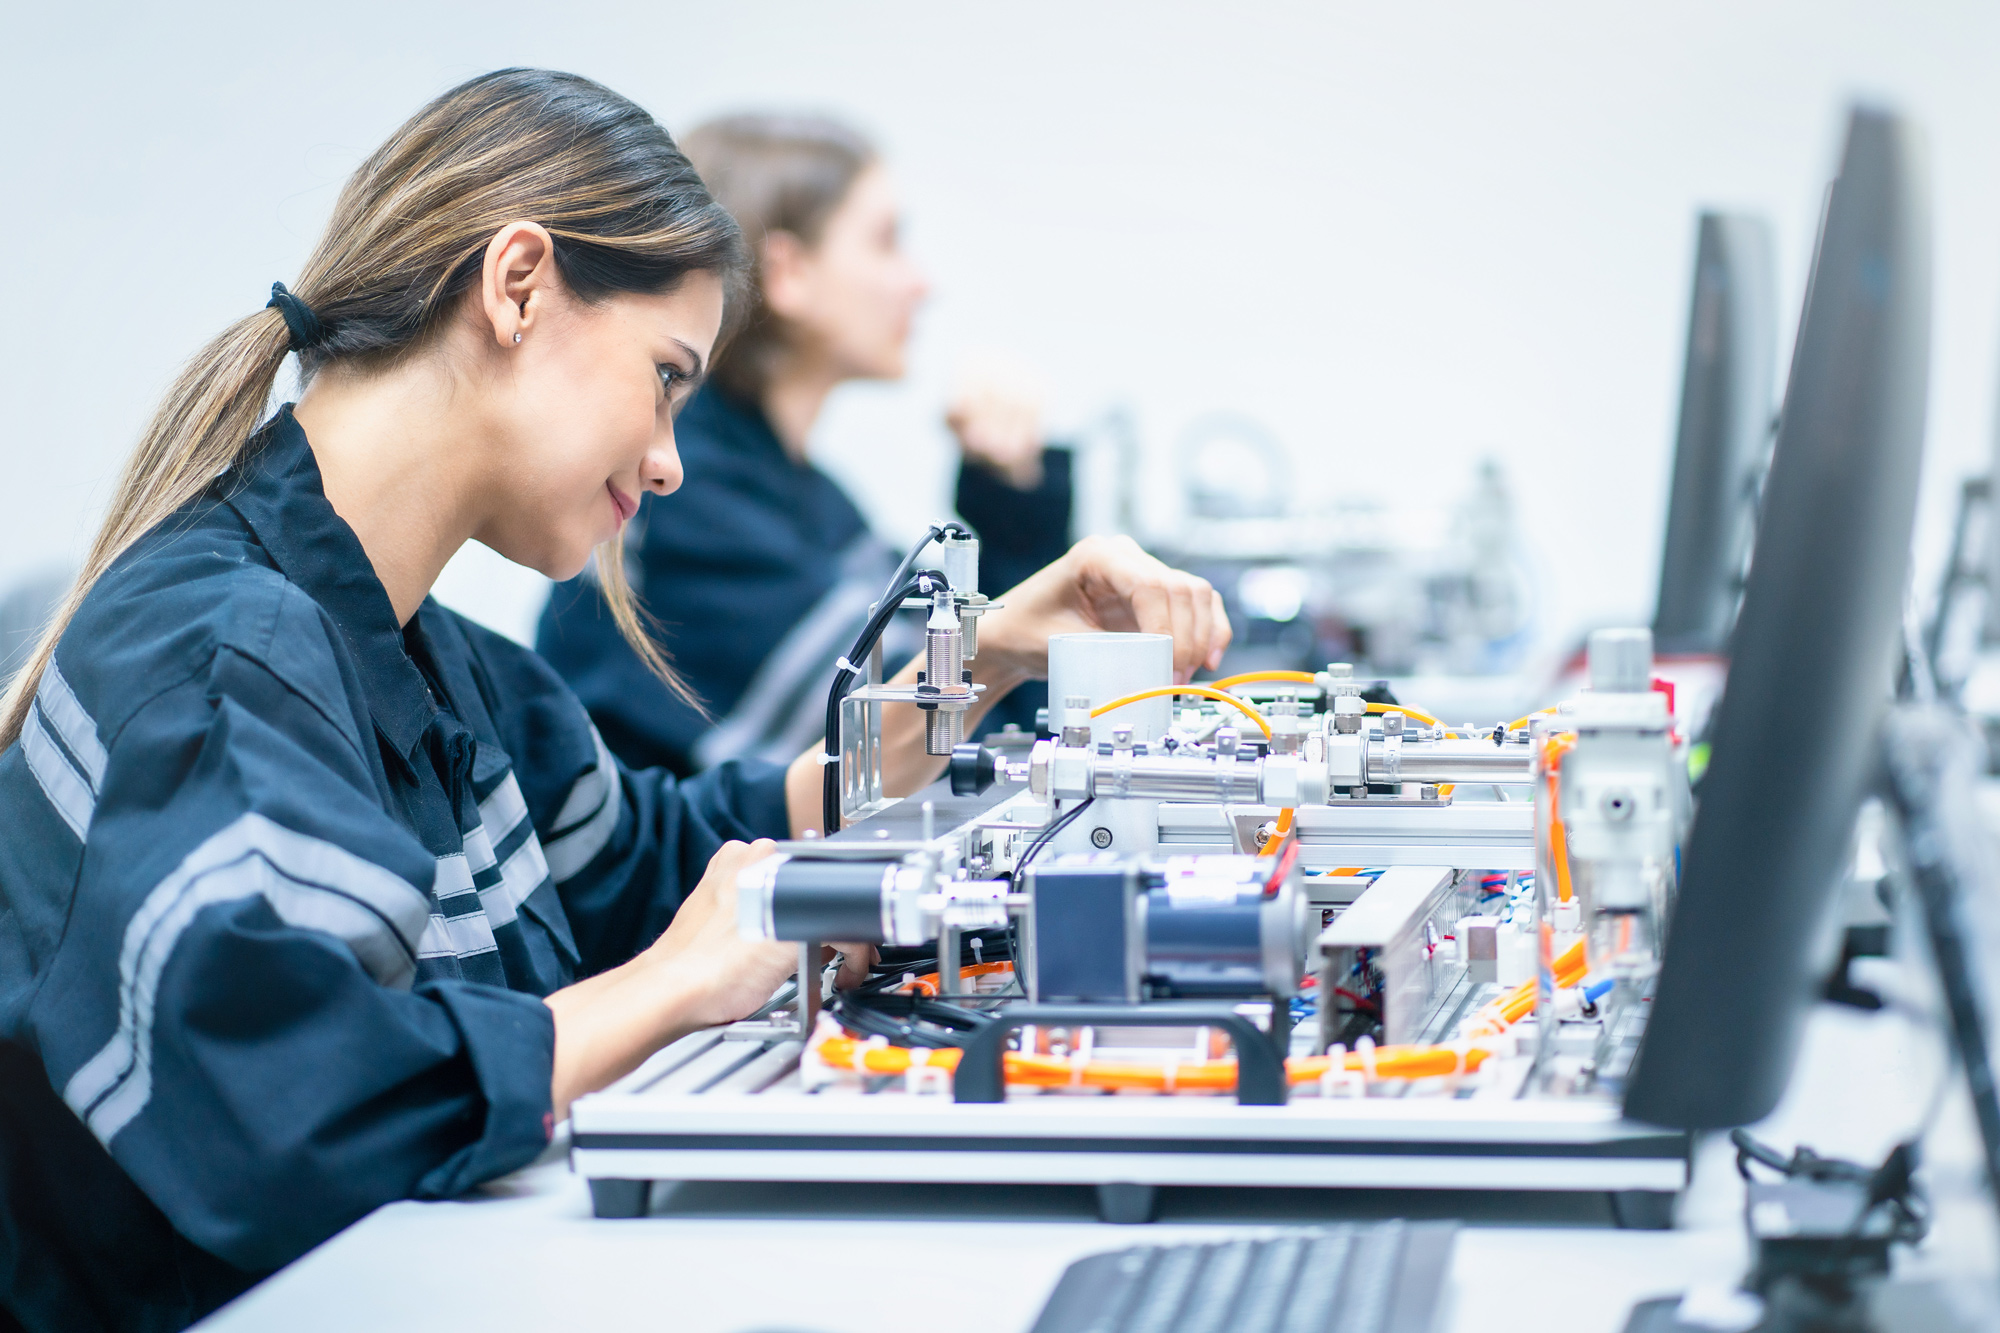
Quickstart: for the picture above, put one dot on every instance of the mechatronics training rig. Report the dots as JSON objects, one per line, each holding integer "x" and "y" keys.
{"x": 1256, "y": 932}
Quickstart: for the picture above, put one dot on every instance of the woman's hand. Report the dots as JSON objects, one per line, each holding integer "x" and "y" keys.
{"x": 1105, "y": 583}
{"x": 699, "y": 973}
{"x": 715, "y": 897}
{"x": 727, "y": 976}
{"x": 997, "y": 416}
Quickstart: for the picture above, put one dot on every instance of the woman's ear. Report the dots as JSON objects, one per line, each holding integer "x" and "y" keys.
{"x": 785, "y": 274}
{"x": 517, "y": 281}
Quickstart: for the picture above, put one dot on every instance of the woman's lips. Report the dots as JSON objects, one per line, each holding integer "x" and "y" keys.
{"x": 626, "y": 505}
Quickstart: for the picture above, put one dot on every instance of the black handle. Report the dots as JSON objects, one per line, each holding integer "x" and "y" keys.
{"x": 982, "y": 1077}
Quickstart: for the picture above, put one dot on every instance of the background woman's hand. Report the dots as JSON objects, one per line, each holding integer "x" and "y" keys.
{"x": 1103, "y": 583}
{"x": 996, "y": 414}
{"x": 1106, "y": 583}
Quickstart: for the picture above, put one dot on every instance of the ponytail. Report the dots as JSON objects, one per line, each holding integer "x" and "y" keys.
{"x": 406, "y": 239}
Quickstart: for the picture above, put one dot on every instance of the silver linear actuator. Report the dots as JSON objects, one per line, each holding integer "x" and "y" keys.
{"x": 1327, "y": 766}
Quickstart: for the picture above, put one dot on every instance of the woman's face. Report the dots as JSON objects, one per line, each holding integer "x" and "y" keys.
{"x": 852, "y": 296}
{"x": 584, "y": 418}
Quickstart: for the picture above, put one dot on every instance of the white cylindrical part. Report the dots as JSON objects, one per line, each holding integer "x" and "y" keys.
{"x": 1621, "y": 661}
{"x": 958, "y": 561}
{"x": 1110, "y": 666}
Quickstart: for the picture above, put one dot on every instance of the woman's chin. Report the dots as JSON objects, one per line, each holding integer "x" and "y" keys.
{"x": 567, "y": 567}
{"x": 559, "y": 565}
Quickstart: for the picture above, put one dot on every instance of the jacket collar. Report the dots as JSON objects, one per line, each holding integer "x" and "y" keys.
{"x": 279, "y": 494}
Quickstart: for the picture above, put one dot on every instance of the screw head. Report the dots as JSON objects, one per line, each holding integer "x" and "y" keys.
{"x": 1100, "y": 838}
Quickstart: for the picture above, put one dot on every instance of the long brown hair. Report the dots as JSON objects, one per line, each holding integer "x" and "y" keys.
{"x": 407, "y": 238}
{"x": 773, "y": 173}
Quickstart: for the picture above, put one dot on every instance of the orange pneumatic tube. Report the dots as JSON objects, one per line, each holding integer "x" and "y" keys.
{"x": 1051, "y": 1071}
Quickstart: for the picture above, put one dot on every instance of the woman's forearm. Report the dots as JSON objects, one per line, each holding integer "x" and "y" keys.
{"x": 607, "y": 1025}
{"x": 699, "y": 973}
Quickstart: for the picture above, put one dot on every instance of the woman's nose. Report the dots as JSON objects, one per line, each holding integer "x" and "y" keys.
{"x": 660, "y": 472}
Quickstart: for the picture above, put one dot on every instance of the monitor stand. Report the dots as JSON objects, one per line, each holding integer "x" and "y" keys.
{"x": 1890, "y": 1307}
{"x": 1930, "y": 766}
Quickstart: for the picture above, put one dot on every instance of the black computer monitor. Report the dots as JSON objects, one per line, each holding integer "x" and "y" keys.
{"x": 1812, "y": 658}
{"x": 1725, "y": 430}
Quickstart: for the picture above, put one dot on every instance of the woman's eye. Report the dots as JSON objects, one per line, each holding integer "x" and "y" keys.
{"x": 669, "y": 377}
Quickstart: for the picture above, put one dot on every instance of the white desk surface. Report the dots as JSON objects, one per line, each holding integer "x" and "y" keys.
{"x": 525, "y": 1253}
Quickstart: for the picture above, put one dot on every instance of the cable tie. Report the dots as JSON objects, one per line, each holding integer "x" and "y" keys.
{"x": 846, "y": 665}
{"x": 826, "y": 760}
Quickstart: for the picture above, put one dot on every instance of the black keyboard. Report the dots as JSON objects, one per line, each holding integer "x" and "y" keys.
{"x": 1377, "y": 1277}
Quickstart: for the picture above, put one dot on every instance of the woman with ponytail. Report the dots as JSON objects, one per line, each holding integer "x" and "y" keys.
{"x": 313, "y": 895}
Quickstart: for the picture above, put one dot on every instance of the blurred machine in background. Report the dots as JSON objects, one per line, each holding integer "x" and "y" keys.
{"x": 1398, "y": 580}
{"x": 1961, "y": 636}
{"x": 1433, "y": 588}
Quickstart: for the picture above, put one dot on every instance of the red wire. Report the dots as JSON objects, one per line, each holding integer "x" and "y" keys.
{"x": 1362, "y": 1000}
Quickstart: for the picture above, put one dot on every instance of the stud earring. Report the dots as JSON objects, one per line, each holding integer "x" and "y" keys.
{"x": 517, "y": 337}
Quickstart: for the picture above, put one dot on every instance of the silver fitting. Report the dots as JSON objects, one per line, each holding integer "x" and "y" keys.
{"x": 1076, "y": 721}
{"x": 1348, "y": 710}
{"x": 1287, "y": 735}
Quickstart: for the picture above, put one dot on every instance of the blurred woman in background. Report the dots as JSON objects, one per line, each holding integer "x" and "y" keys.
{"x": 759, "y": 547}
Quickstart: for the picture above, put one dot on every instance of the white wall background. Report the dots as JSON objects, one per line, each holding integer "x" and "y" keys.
{"x": 1402, "y": 236}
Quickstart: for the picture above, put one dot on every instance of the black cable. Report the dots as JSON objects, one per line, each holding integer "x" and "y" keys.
{"x": 896, "y": 966}
{"x": 1042, "y": 839}
{"x": 892, "y": 600}
{"x": 922, "y": 583}
{"x": 936, "y": 531}
{"x": 1890, "y": 1185}
{"x": 908, "y": 1020}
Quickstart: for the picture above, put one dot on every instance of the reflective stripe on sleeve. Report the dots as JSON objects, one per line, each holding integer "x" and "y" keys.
{"x": 456, "y": 936}
{"x": 66, "y": 714}
{"x": 588, "y": 817}
{"x": 310, "y": 883}
{"x": 504, "y": 828}
{"x": 56, "y": 776}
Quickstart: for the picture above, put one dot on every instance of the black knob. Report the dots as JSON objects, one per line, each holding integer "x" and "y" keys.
{"x": 973, "y": 768}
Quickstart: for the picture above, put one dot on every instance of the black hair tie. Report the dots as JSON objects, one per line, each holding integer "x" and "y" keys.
{"x": 306, "y": 330}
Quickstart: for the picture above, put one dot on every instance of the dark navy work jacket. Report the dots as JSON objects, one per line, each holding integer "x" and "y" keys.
{"x": 281, "y": 884}
{"x": 760, "y": 571}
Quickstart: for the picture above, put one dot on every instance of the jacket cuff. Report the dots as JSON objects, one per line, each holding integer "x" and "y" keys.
{"x": 1020, "y": 530}
{"x": 510, "y": 1038}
